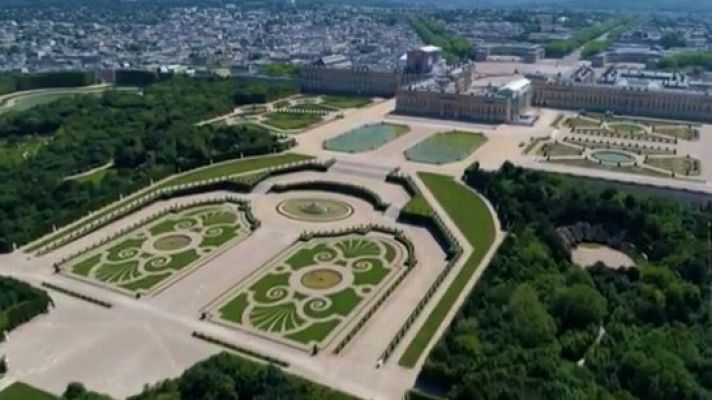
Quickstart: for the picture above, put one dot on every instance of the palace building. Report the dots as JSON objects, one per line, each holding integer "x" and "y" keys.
{"x": 457, "y": 94}
{"x": 626, "y": 91}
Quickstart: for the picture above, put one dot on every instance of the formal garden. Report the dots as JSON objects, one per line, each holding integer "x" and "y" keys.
{"x": 291, "y": 120}
{"x": 315, "y": 209}
{"x": 141, "y": 259}
{"x": 633, "y": 127}
{"x": 366, "y": 138}
{"x": 446, "y": 147}
{"x": 307, "y": 295}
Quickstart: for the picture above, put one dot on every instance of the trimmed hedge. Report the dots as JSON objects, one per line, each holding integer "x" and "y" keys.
{"x": 77, "y": 295}
{"x": 242, "y": 183}
{"x": 360, "y": 192}
{"x": 410, "y": 262}
{"x": 238, "y": 349}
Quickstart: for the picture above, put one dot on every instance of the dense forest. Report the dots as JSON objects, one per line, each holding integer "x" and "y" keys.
{"x": 146, "y": 136}
{"x": 530, "y": 329}
{"x": 228, "y": 377}
{"x": 19, "y": 303}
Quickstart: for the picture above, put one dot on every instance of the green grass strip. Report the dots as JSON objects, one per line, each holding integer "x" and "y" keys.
{"x": 471, "y": 215}
{"x": 23, "y": 391}
{"x": 228, "y": 168}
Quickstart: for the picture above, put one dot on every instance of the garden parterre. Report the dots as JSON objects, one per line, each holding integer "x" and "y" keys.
{"x": 149, "y": 255}
{"x": 307, "y": 295}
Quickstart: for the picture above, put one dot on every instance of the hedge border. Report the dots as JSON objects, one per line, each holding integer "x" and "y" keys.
{"x": 77, "y": 295}
{"x": 357, "y": 191}
{"x": 239, "y": 349}
{"x": 410, "y": 262}
{"x": 236, "y": 183}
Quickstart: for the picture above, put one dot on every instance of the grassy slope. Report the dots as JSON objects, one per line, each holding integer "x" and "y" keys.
{"x": 472, "y": 217}
{"x": 22, "y": 391}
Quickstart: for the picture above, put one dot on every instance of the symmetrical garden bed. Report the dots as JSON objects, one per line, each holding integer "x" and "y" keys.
{"x": 153, "y": 253}
{"x": 309, "y": 294}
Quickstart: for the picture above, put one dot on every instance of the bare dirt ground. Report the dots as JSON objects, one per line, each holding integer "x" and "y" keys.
{"x": 588, "y": 255}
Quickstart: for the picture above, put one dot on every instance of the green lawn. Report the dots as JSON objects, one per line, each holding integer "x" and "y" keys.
{"x": 346, "y": 102}
{"x": 679, "y": 131}
{"x": 290, "y": 121}
{"x": 217, "y": 170}
{"x": 446, "y": 147}
{"x": 473, "y": 218}
{"x": 418, "y": 205}
{"x": 558, "y": 149}
{"x": 626, "y": 128}
{"x": 235, "y": 167}
{"x": 23, "y": 391}
{"x": 582, "y": 122}
{"x": 678, "y": 165}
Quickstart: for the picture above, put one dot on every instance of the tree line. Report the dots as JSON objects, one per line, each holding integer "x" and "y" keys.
{"x": 228, "y": 377}
{"x": 561, "y": 47}
{"x": 19, "y": 303}
{"x": 537, "y": 326}
{"x": 432, "y": 32}
{"x": 147, "y": 136}
{"x": 689, "y": 59}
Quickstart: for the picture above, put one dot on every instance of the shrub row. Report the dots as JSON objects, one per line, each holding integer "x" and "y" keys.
{"x": 241, "y": 183}
{"x": 408, "y": 184}
{"x": 360, "y": 192}
{"x": 248, "y": 352}
{"x": 636, "y": 148}
{"x": 633, "y": 136}
{"x": 77, "y": 295}
{"x": 418, "y": 309}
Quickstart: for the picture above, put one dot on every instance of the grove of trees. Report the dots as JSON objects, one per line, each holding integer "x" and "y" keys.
{"x": 696, "y": 59}
{"x": 530, "y": 329}
{"x": 562, "y": 47}
{"x": 148, "y": 136}
{"x": 432, "y": 32}
{"x": 19, "y": 303}
{"x": 228, "y": 377}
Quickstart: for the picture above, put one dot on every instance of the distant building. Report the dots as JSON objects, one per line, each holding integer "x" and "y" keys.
{"x": 422, "y": 60}
{"x": 354, "y": 81}
{"x": 334, "y": 61}
{"x": 529, "y": 53}
{"x": 637, "y": 55}
{"x": 625, "y": 91}
{"x": 335, "y": 74}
